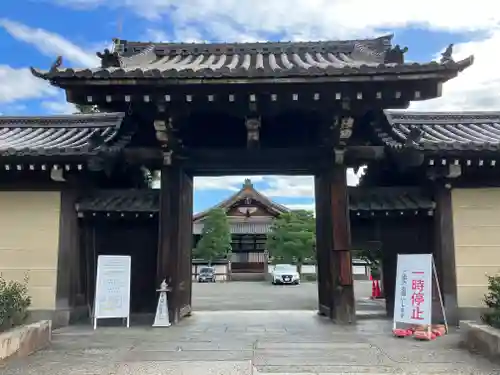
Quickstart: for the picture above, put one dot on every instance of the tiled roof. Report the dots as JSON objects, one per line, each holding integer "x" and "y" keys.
{"x": 243, "y": 60}
{"x": 361, "y": 199}
{"x": 145, "y": 200}
{"x": 246, "y": 191}
{"x": 389, "y": 198}
{"x": 444, "y": 131}
{"x": 56, "y": 135}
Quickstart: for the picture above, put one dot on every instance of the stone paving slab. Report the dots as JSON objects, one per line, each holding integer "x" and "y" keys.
{"x": 311, "y": 357}
{"x": 200, "y": 355}
{"x": 185, "y": 368}
{"x": 311, "y": 345}
{"x": 301, "y": 342}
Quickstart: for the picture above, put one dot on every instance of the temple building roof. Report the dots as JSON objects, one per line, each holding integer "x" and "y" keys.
{"x": 443, "y": 131}
{"x": 247, "y": 191}
{"x": 61, "y": 135}
{"x": 254, "y": 60}
{"x": 362, "y": 201}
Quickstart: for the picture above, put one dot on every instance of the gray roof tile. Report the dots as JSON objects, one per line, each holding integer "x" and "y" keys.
{"x": 444, "y": 131}
{"x": 244, "y": 60}
{"x": 60, "y": 135}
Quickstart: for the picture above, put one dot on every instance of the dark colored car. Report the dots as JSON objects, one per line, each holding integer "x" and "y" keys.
{"x": 206, "y": 275}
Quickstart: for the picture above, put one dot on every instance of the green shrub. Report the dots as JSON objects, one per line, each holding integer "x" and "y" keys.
{"x": 492, "y": 300}
{"x": 14, "y": 303}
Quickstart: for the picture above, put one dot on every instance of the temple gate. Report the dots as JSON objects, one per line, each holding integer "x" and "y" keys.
{"x": 313, "y": 108}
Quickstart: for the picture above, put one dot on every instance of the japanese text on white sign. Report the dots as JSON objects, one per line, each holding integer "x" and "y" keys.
{"x": 413, "y": 297}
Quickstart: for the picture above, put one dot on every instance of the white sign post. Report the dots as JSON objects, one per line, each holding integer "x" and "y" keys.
{"x": 112, "y": 290}
{"x": 413, "y": 296}
{"x": 161, "y": 317}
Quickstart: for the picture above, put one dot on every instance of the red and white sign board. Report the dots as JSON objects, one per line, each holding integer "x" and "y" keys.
{"x": 413, "y": 295}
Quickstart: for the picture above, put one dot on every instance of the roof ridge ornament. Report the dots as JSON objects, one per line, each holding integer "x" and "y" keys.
{"x": 447, "y": 55}
{"x": 396, "y": 55}
{"x": 109, "y": 59}
{"x": 247, "y": 184}
{"x": 56, "y": 64}
{"x": 413, "y": 138}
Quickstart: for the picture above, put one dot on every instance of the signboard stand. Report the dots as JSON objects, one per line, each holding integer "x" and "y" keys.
{"x": 415, "y": 277}
{"x": 112, "y": 288}
{"x": 161, "y": 317}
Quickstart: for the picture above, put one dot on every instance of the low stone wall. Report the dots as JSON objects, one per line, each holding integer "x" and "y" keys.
{"x": 24, "y": 340}
{"x": 480, "y": 338}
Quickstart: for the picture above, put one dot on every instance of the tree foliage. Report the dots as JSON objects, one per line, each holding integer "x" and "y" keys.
{"x": 14, "y": 303}
{"x": 215, "y": 241}
{"x": 371, "y": 253}
{"x": 292, "y": 237}
{"x": 492, "y": 301}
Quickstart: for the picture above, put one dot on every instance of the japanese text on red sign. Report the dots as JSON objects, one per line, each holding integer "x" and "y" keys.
{"x": 418, "y": 296}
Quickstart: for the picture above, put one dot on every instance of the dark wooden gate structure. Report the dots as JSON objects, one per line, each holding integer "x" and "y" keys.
{"x": 268, "y": 108}
{"x": 175, "y": 238}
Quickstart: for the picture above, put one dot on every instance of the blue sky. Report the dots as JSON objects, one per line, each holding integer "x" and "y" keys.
{"x": 35, "y": 32}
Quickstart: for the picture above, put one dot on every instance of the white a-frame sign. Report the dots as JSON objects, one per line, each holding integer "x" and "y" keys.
{"x": 112, "y": 289}
{"x": 415, "y": 276}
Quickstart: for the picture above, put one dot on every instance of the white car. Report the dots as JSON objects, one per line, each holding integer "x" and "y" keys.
{"x": 285, "y": 274}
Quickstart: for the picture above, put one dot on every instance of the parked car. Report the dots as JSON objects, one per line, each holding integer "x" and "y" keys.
{"x": 285, "y": 274}
{"x": 207, "y": 275}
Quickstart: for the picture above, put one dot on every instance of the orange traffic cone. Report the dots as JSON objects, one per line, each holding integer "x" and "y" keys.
{"x": 377, "y": 289}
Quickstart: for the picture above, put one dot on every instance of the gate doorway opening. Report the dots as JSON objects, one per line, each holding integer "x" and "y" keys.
{"x": 127, "y": 222}
{"x": 255, "y": 209}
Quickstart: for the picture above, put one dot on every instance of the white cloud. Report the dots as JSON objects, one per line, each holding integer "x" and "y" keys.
{"x": 477, "y": 88}
{"x": 50, "y": 44}
{"x": 304, "y": 206}
{"x": 59, "y": 107}
{"x": 278, "y": 186}
{"x": 232, "y": 183}
{"x": 19, "y": 84}
{"x": 309, "y": 19}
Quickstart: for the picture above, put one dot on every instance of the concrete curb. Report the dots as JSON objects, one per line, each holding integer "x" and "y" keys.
{"x": 480, "y": 338}
{"x": 21, "y": 341}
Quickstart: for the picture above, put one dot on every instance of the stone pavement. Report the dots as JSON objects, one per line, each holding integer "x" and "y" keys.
{"x": 264, "y": 296}
{"x": 258, "y": 342}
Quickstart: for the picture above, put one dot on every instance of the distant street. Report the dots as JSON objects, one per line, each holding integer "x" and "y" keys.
{"x": 264, "y": 296}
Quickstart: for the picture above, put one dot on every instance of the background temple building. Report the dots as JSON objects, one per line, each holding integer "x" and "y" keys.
{"x": 250, "y": 215}
{"x": 73, "y": 187}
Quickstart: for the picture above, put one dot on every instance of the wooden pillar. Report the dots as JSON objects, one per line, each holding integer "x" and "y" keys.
{"x": 343, "y": 304}
{"x": 444, "y": 250}
{"x": 175, "y": 239}
{"x": 69, "y": 289}
{"x": 323, "y": 244}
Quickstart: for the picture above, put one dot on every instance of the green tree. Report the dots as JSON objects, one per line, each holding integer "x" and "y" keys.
{"x": 371, "y": 253}
{"x": 292, "y": 238}
{"x": 215, "y": 241}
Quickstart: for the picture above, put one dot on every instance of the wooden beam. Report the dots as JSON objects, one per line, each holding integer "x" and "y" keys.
{"x": 445, "y": 250}
{"x": 343, "y": 311}
{"x": 204, "y": 160}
